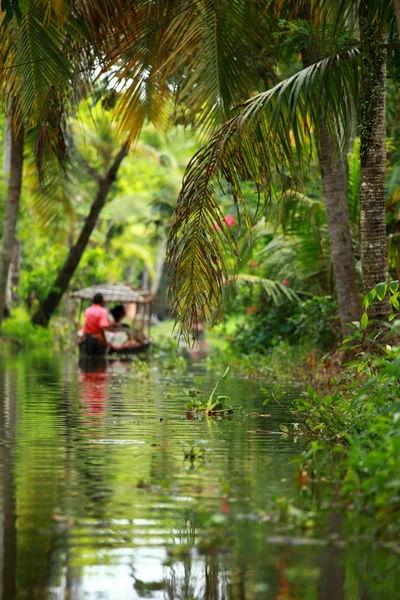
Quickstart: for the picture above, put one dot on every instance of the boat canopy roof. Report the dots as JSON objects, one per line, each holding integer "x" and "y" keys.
{"x": 113, "y": 292}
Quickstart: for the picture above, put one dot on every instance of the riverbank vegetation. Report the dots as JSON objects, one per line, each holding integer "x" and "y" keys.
{"x": 241, "y": 161}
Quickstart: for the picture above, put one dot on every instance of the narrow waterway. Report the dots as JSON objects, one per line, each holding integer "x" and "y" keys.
{"x": 100, "y": 499}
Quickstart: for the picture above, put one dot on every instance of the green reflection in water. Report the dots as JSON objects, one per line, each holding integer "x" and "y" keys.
{"x": 98, "y": 501}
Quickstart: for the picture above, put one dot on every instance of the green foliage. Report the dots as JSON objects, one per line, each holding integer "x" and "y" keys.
{"x": 195, "y": 449}
{"x": 358, "y": 433}
{"x": 365, "y": 336}
{"x": 20, "y": 329}
{"x": 354, "y": 432}
{"x": 214, "y": 405}
{"x": 314, "y": 321}
{"x": 272, "y": 138}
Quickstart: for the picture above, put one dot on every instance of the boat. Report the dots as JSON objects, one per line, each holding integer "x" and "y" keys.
{"x": 137, "y": 308}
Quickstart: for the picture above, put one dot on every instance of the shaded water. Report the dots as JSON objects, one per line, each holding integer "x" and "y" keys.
{"x": 98, "y": 501}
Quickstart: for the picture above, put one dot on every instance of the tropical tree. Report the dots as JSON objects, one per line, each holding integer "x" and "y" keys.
{"x": 14, "y": 184}
{"x": 334, "y": 181}
{"x": 37, "y": 81}
{"x": 156, "y": 51}
{"x": 208, "y": 55}
{"x": 104, "y": 149}
{"x": 374, "y": 255}
{"x": 273, "y": 136}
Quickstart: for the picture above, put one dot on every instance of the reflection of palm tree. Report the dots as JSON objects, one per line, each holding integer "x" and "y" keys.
{"x": 185, "y": 537}
{"x": 211, "y": 574}
{"x": 9, "y": 542}
{"x": 332, "y": 576}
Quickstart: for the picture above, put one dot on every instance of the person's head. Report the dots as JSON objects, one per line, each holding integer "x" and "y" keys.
{"x": 118, "y": 312}
{"x": 98, "y": 299}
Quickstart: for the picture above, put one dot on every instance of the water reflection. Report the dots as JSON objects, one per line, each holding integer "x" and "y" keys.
{"x": 8, "y": 551}
{"x": 98, "y": 500}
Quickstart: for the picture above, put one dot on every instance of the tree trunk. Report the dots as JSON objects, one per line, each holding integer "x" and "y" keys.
{"x": 15, "y": 272}
{"x": 50, "y": 304}
{"x": 374, "y": 257}
{"x": 334, "y": 185}
{"x": 397, "y": 11}
{"x": 13, "y": 276}
{"x": 8, "y": 527}
{"x": 159, "y": 265}
{"x": 11, "y": 212}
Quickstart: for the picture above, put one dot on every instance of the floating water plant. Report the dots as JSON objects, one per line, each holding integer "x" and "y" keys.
{"x": 215, "y": 405}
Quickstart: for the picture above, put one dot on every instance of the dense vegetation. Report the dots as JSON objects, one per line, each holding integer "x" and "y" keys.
{"x": 288, "y": 214}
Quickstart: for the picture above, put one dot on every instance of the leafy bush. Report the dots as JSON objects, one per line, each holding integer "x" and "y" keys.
{"x": 317, "y": 320}
{"x": 354, "y": 433}
{"x": 314, "y": 321}
{"x": 21, "y": 333}
{"x": 19, "y": 329}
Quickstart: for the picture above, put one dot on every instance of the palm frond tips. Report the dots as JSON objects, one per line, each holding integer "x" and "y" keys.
{"x": 270, "y": 140}
{"x": 275, "y": 289}
{"x": 214, "y": 52}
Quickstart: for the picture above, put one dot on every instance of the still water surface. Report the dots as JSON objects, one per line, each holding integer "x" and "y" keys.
{"x": 98, "y": 501}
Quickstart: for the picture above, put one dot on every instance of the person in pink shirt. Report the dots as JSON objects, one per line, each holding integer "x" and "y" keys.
{"x": 95, "y": 323}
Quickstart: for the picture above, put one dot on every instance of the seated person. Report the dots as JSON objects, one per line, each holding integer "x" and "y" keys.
{"x": 135, "y": 339}
{"x": 118, "y": 314}
{"x": 95, "y": 323}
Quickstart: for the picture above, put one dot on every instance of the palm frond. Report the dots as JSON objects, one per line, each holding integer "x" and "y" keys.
{"x": 271, "y": 138}
{"x": 303, "y": 260}
{"x": 298, "y": 212}
{"x": 353, "y": 183}
{"x": 276, "y": 290}
{"x": 219, "y": 52}
{"x": 133, "y": 64}
{"x": 381, "y": 14}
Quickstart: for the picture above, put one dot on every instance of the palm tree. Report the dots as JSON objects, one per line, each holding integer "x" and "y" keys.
{"x": 273, "y": 137}
{"x": 208, "y": 55}
{"x": 157, "y": 50}
{"x": 36, "y": 77}
{"x": 397, "y": 11}
{"x": 12, "y": 203}
{"x": 374, "y": 255}
{"x": 334, "y": 189}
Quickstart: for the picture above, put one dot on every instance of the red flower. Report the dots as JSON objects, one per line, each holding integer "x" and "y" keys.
{"x": 230, "y": 221}
{"x": 250, "y": 309}
{"x": 254, "y": 264}
{"x": 217, "y": 227}
{"x": 285, "y": 281}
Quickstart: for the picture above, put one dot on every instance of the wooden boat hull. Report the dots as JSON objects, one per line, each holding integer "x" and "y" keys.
{"x": 130, "y": 349}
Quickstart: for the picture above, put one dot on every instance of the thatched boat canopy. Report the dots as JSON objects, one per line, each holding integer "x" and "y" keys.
{"x": 112, "y": 292}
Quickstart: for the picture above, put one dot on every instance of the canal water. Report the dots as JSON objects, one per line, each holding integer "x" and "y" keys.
{"x": 110, "y": 490}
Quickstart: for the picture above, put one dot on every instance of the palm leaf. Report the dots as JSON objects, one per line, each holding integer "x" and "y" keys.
{"x": 299, "y": 213}
{"x": 276, "y": 290}
{"x": 219, "y": 52}
{"x": 134, "y": 60}
{"x": 271, "y": 138}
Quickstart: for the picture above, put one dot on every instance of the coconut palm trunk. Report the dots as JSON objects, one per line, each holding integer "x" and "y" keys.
{"x": 11, "y": 211}
{"x": 334, "y": 186}
{"x": 374, "y": 257}
{"x": 50, "y": 304}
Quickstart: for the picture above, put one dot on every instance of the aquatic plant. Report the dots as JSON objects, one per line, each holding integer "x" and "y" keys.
{"x": 214, "y": 405}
